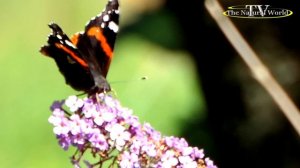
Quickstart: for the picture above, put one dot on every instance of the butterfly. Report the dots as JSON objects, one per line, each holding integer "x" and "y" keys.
{"x": 84, "y": 59}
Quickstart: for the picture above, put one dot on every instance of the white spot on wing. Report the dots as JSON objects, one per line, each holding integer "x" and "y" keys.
{"x": 69, "y": 43}
{"x": 113, "y": 26}
{"x": 102, "y": 25}
{"x": 105, "y": 18}
{"x": 59, "y": 36}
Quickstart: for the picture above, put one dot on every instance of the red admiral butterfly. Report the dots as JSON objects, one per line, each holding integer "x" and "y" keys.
{"x": 85, "y": 58}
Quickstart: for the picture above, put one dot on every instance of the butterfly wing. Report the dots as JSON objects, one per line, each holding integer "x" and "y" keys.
{"x": 68, "y": 59}
{"x": 84, "y": 60}
{"x": 97, "y": 42}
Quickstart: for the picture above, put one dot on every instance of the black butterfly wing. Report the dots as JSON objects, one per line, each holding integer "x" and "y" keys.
{"x": 68, "y": 59}
{"x": 97, "y": 43}
{"x": 84, "y": 60}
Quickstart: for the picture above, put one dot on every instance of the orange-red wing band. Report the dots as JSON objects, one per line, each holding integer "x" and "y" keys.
{"x": 72, "y": 54}
{"x": 96, "y": 31}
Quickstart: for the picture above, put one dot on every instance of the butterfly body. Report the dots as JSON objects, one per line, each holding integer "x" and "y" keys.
{"x": 84, "y": 59}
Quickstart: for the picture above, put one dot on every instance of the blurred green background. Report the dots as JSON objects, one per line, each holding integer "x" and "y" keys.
{"x": 174, "y": 44}
{"x": 30, "y": 82}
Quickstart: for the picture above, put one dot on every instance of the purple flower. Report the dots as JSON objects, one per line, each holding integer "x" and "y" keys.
{"x": 57, "y": 105}
{"x": 169, "y": 159}
{"x": 210, "y": 163}
{"x": 60, "y": 123}
{"x": 119, "y": 135}
{"x": 74, "y": 103}
{"x": 75, "y": 124}
{"x": 100, "y": 125}
{"x": 177, "y": 143}
{"x": 187, "y": 161}
{"x": 64, "y": 141}
{"x": 155, "y": 135}
{"x": 98, "y": 140}
{"x": 135, "y": 147}
{"x": 104, "y": 117}
{"x": 89, "y": 110}
{"x": 78, "y": 139}
{"x": 129, "y": 160}
{"x": 197, "y": 154}
{"x": 150, "y": 149}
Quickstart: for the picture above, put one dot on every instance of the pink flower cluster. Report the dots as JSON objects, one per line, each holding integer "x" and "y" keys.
{"x": 111, "y": 133}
